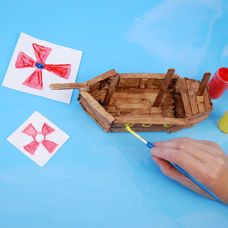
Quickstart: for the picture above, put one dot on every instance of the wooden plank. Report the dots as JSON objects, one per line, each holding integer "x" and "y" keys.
{"x": 131, "y": 106}
{"x": 154, "y": 83}
{"x": 207, "y": 101}
{"x": 167, "y": 107}
{"x": 197, "y": 118}
{"x": 147, "y": 119}
{"x": 143, "y": 82}
{"x": 179, "y": 107}
{"x": 98, "y": 118}
{"x": 103, "y": 84}
{"x": 201, "y": 107}
{"x": 145, "y": 75}
{"x": 129, "y": 83}
{"x": 203, "y": 84}
{"x": 63, "y": 86}
{"x": 155, "y": 110}
{"x": 99, "y": 95}
{"x": 191, "y": 87}
{"x": 125, "y": 111}
{"x": 112, "y": 109}
{"x": 127, "y": 104}
{"x": 135, "y": 93}
{"x": 164, "y": 87}
{"x": 130, "y": 100}
{"x": 167, "y": 80}
{"x": 153, "y": 128}
{"x": 139, "y": 127}
{"x": 96, "y": 106}
{"x": 111, "y": 90}
{"x": 151, "y": 100}
{"x": 98, "y": 92}
{"x": 170, "y": 115}
{"x": 174, "y": 128}
{"x": 200, "y": 99}
{"x": 167, "y": 100}
{"x": 137, "y": 90}
{"x": 101, "y": 77}
{"x": 185, "y": 97}
{"x": 170, "y": 110}
{"x": 200, "y": 102}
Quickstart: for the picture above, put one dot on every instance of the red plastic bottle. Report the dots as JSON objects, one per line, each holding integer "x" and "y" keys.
{"x": 219, "y": 83}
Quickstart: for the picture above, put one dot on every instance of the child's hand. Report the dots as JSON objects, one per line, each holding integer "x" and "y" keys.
{"x": 204, "y": 160}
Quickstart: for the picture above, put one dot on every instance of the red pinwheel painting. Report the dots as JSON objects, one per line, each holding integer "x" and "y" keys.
{"x": 35, "y": 64}
{"x": 39, "y": 138}
{"x": 35, "y": 80}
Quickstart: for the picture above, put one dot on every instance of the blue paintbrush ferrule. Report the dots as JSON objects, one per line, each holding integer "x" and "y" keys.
{"x": 150, "y": 145}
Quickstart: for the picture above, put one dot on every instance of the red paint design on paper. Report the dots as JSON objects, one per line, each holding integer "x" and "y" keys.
{"x": 39, "y": 138}
{"x": 35, "y": 80}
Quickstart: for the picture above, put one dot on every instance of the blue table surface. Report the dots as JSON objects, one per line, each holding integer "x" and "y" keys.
{"x": 100, "y": 179}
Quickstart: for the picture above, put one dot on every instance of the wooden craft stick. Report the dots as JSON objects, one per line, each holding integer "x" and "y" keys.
{"x": 148, "y": 119}
{"x": 164, "y": 87}
{"x": 179, "y": 107}
{"x": 207, "y": 102}
{"x": 102, "y": 77}
{"x": 94, "y": 105}
{"x": 145, "y": 76}
{"x": 143, "y": 83}
{"x": 94, "y": 114}
{"x": 200, "y": 102}
{"x": 203, "y": 84}
{"x": 192, "y": 87}
{"x": 197, "y": 118}
{"x": 111, "y": 89}
{"x": 185, "y": 97}
{"x": 63, "y": 86}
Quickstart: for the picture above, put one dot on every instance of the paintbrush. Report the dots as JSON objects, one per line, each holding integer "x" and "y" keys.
{"x": 185, "y": 173}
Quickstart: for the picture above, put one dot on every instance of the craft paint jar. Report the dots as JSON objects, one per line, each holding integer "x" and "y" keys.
{"x": 219, "y": 83}
{"x": 223, "y": 123}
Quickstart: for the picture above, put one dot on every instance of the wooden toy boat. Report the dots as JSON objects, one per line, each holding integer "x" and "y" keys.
{"x": 148, "y": 102}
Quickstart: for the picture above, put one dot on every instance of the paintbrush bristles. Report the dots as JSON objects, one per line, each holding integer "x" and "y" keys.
{"x": 135, "y": 134}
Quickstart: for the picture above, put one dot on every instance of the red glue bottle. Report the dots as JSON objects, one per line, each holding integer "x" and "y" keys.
{"x": 219, "y": 83}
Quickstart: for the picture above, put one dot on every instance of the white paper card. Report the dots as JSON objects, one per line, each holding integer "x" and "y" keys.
{"x": 38, "y": 138}
{"x": 36, "y": 64}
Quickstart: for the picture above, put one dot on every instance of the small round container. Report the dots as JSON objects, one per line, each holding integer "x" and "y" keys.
{"x": 219, "y": 83}
{"x": 223, "y": 123}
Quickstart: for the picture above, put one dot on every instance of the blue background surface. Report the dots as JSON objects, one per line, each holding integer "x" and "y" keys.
{"x": 102, "y": 179}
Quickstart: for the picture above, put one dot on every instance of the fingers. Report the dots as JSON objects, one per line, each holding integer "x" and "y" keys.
{"x": 185, "y": 160}
{"x": 197, "y": 149}
{"x": 208, "y": 145}
{"x": 211, "y": 147}
{"x": 167, "y": 169}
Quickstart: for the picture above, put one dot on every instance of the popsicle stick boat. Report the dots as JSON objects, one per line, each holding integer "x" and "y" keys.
{"x": 147, "y": 102}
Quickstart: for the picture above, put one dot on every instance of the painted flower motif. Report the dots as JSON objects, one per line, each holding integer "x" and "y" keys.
{"x": 35, "y": 80}
{"x": 39, "y": 138}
